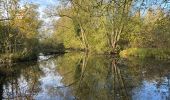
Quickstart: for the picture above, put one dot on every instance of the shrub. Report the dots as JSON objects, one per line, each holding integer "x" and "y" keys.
{"x": 146, "y": 53}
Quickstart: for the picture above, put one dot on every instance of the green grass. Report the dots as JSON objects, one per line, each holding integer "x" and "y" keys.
{"x": 146, "y": 53}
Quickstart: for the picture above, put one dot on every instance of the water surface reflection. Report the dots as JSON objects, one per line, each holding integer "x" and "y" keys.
{"x": 77, "y": 76}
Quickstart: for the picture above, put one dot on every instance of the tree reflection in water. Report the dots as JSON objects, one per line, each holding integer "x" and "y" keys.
{"x": 86, "y": 77}
{"x": 106, "y": 78}
{"x": 93, "y": 77}
{"x": 20, "y": 81}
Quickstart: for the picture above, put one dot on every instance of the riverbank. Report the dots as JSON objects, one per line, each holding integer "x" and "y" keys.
{"x": 161, "y": 54}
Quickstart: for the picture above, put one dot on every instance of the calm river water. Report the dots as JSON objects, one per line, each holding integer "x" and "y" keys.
{"x": 76, "y": 76}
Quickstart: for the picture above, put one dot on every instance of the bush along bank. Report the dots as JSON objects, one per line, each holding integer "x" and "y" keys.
{"x": 160, "y": 54}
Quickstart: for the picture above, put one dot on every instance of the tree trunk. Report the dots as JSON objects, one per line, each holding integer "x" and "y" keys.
{"x": 84, "y": 38}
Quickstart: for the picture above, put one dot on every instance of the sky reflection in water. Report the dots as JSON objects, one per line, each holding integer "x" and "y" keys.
{"x": 76, "y": 76}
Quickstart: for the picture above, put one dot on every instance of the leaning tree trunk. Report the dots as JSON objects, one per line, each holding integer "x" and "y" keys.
{"x": 84, "y": 39}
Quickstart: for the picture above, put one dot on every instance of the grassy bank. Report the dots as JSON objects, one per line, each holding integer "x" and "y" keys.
{"x": 146, "y": 53}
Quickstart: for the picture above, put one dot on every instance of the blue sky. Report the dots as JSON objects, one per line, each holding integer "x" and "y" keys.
{"x": 43, "y": 4}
